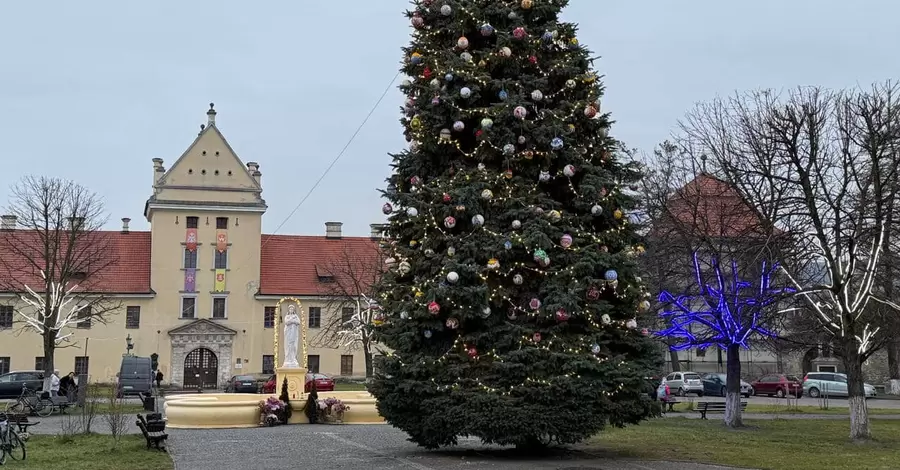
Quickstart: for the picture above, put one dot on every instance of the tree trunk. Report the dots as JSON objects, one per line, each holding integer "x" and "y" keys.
{"x": 894, "y": 359}
{"x": 49, "y": 338}
{"x": 733, "y": 417}
{"x": 367, "y": 356}
{"x": 859, "y": 413}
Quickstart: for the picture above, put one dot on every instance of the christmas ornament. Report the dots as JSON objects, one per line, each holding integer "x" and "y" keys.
{"x": 517, "y": 279}
{"x": 618, "y": 214}
{"x": 537, "y": 95}
{"x": 519, "y": 33}
{"x": 436, "y": 100}
{"x": 406, "y": 82}
{"x": 605, "y": 319}
{"x": 404, "y": 268}
{"x": 540, "y": 256}
{"x": 511, "y": 314}
{"x": 426, "y": 72}
{"x": 554, "y": 215}
{"x": 413, "y": 146}
{"x": 644, "y": 306}
{"x": 448, "y": 77}
{"x": 593, "y": 293}
{"x": 526, "y": 4}
{"x": 544, "y": 176}
{"x": 508, "y": 174}
{"x": 516, "y": 224}
{"x": 412, "y": 212}
{"x": 507, "y": 245}
{"x": 415, "y": 122}
{"x": 569, "y": 170}
{"x": 482, "y": 63}
{"x": 493, "y": 263}
{"x": 532, "y": 59}
{"x": 556, "y": 143}
{"x": 562, "y": 315}
{"x": 485, "y": 312}
{"x": 378, "y": 319}
{"x": 570, "y": 128}
{"x": 429, "y": 252}
{"x": 590, "y": 111}
{"x": 415, "y": 180}
{"x": 486, "y": 29}
{"x": 597, "y": 105}
{"x": 458, "y": 126}
{"x": 512, "y": 15}
{"x": 445, "y": 134}
{"x": 520, "y": 112}
{"x": 446, "y": 197}
{"x": 466, "y": 57}
{"x": 547, "y": 36}
{"x": 413, "y": 243}
{"x": 452, "y": 323}
{"x": 415, "y": 58}
{"x": 565, "y": 241}
{"x": 390, "y": 262}
{"x": 446, "y": 10}
{"x": 451, "y": 251}
{"x": 487, "y": 123}
{"x": 596, "y": 210}
{"x": 472, "y": 352}
{"x": 631, "y": 324}
{"x": 434, "y": 308}
{"x": 503, "y": 95}
{"x": 435, "y": 83}
{"x": 611, "y": 275}
{"x": 528, "y": 155}
{"x": 481, "y": 166}
{"x": 536, "y": 337}
{"x": 465, "y": 92}
{"x": 508, "y": 149}
{"x": 449, "y": 221}
{"x": 487, "y": 194}
{"x": 460, "y": 208}
{"x": 427, "y": 333}
{"x": 452, "y": 277}
{"x": 404, "y": 315}
{"x": 535, "y": 303}
{"x": 387, "y": 208}
{"x": 462, "y": 43}
{"x": 604, "y": 249}
{"x": 521, "y": 140}
{"x": 505, "y": 51}
{"x": 595, "y": 348}
{"x": 478, "y": 220}
{"x": 570, "y": 83}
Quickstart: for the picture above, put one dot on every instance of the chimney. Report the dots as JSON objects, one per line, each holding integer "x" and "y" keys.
{"x": 76, "y": 223}
{"x": 125, "y": 221}
{"x": 333, "y": 230}
{"x": 7, "y": 222}
{"x": 211, "y": 115}
{"x": 158, "y": 170}
{"x": 377, "y": 231}
{"x": 253, "y": 169}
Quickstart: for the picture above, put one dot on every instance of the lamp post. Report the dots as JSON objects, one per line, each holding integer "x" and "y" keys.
{"x": 129, "y": 345}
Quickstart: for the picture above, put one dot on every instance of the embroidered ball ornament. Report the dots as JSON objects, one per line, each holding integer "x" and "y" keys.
{"x": 590, "y": 112}
{"x": 570, "y": 83}
{"x": 596, "y": 210}
{"x": 565, "y": 241}
{"x": 537, "y": 95}
{"x": 556, "y": 143}
{"x": 427, "y": 333}
{"x": 451, "y": 251}
{"x": 390, "y": 262}
{"x": 540, "y": 255}
{"x": 535, "y": 304}
{"x": 478, "y": 220}
{"x": 465, "y": 92}
{"x": 466, "y": 57}
{"x": 493, "y": 264}
{"x": 487, "y": 123}
{"x": 503, "y": 95}
{"x": 458, "y": 126}
{"x": 595, "y": 348}
{"x": 536, "y": 337}
{"x": 434, "y": 308}
{"x": 404, "y": 315}
{"x": 415, "y": 58}
{"x": 505, "y": 51}
{"x": 611, "y": 275}
{"x": 404, "y": 268}
{"x": 517, "y": 279}
{"x": 593, "y": 293}
{"x": 562, "y": 315}
{"x": 452, "y": 323}
{"x": 446, "y": 197}
{"x": 554, "y": 215}
{"x": 444, "y": 134}
{"x": 519, "y": 33}
{"x": 412, "y": 212}
{"x": 644, "y": 306}
{"x": 487, "y": 194}
{"x": 485, "y": 312}
{"x": 509, "y": 149}
{"x": 472, "y": 352}
{"x": 569, "y": 170}
{"x": 446, "y": 10}
{"x": 449, "y": 221}
{"x": 462, "y": 43}
{"x": 631, "y": 324}
{"x": 526, "y": 4}
{"x": 387, "y": 208}
{"x": 520, "y": 112}
{"x": 516, "y": 224}
{"x": 544, "y": 176}
{"x": 486, "y": 30}
{"x": 605, "y": 319}
{"x": 452, "y": 277}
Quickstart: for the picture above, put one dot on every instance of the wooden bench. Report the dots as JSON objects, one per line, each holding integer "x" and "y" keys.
{"x": 21, "y": 421}
{"x": 704, "y": 407}
{"x": 152, "y": 432}
{"x": 670, "y": 404}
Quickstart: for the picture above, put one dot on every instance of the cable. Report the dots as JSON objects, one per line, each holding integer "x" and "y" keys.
{"x": 333, "y": 162}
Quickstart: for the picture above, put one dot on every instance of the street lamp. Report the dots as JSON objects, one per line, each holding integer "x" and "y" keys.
{"x": 129, "y": 345}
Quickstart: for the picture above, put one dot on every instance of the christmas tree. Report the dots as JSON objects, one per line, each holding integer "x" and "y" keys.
{"x": 511, "y": 290}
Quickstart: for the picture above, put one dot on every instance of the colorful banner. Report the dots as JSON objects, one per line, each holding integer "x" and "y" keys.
{"x": 190, "y": 280}
{"x": 221, "y": 240}
{"x": 220, "y": 281}
{"x": 190, "y": 239}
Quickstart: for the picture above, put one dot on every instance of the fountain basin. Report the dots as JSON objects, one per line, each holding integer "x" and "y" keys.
{"x": 241, "y": 410}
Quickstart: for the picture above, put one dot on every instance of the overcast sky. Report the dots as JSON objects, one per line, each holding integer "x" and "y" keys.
{"x": 93, "y": 90}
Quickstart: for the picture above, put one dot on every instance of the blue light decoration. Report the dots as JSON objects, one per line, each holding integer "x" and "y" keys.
{"x": 727, "y": 313}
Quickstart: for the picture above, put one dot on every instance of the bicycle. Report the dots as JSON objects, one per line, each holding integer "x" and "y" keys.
{"x": 29, "y": 402}
{"x": 10, "y": 442}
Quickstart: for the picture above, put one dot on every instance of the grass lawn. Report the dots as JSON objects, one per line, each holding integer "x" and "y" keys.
{"x": 94, "y": 452}
{"x": 785, "y": 409}
{"x": 795, "y": 444}
{"x": 349, "y": 387}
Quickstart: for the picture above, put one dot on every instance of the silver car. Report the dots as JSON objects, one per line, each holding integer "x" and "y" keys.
{"x": 831, "y": 384}
{"x": 682, "y": 383}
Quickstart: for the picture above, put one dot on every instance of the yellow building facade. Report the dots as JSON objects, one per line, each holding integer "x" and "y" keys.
{"x": 200, "y": 288}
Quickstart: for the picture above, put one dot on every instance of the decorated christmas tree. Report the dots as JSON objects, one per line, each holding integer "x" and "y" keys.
{"x": 511, "y": 292}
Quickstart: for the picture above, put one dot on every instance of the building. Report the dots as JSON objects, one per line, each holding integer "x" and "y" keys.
{"x": 200, "y": 287}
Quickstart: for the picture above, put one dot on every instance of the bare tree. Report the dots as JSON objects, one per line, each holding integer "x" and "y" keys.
{"x": 350, "y": 280}
{"x": 820, "y": 164}
{"x": 55, "y": 260}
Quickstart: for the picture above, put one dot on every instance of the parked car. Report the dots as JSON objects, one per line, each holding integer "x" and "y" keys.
{"x": 831, "y": 384}
{"x": 324, "y": 383}
{"x": 714, "y": 384}
{"x": 242, "y": 384}
{"x": 684, "y": 383}
{"x": 778, "y": 385}
{"x": 135, "y": 376}
{"x": 11, "y": 383}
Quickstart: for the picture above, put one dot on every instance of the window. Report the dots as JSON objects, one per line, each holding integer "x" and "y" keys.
{"x": 221, "y": 259}
{"x": 39, "y": 363}
{"x": 313, "y": 363}
{"x": 701, "y": 352}
{"x": 84, "y": 317}
{"x": 346, "y": 365}
{"x": 269, "y": 317}
{"x": 347, "y": 314}
{"x": 268, "y": 365}
{"x": 132, "y": 317}
{"x": 81, "y": 365}
{"x": 4, "y": 365}
{"x": 219, "y": 307}
{"x": 192, "y": 221}
{"x": 190, "y": 259}
{"x": 188, "y": 307}
{"x": 222, "y": 223}
{"x": 315, "y": 317}
{"x": 6, "y": 316}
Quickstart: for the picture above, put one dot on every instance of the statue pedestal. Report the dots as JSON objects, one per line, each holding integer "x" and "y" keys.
{"x": 296, "y": 379}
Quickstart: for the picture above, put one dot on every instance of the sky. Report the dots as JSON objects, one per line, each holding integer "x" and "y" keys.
{"x": 93, "y": 90}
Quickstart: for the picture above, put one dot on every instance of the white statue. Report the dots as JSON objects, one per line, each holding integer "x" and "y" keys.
{"x": 291, "y": 338}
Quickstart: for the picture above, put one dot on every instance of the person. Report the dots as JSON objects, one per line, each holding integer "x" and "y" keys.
{"x": 159, "y": 378}
{"x": 67, "y": 385}
{"x": 54, "y": 383}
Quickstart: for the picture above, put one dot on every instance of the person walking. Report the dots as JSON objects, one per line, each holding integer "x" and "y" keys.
{"x": 54, "y": 384}
{"x": 159, "y": 378}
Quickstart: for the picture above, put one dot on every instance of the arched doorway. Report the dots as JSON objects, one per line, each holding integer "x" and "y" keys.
{"x": 201, "y": 369}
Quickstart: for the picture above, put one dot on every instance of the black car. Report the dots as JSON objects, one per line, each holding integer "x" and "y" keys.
{"x": 242, "y": 384}
{"x": 11, "y": 383}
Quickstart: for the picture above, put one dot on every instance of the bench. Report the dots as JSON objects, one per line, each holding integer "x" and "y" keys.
{"x": 154, "y": 432}
{"x": 704, "y": 407}
{"x": 21, "y": 421}
{"x": 670, "y": 404}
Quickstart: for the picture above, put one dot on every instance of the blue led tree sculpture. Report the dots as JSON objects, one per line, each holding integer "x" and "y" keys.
{"x": 726, "y": 313}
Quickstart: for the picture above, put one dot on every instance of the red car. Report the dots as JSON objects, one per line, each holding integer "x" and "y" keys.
{"x": 323, "y": 383}
{"x": 778, "y": 385}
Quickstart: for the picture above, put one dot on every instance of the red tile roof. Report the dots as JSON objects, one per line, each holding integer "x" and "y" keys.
{"x": 127, "y": 271}
{"x": 295, "y": 264}
{"x": 711, "y": 207}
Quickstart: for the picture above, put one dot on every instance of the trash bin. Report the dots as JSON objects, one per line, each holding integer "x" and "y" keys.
{"x": 149, "y": 401}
